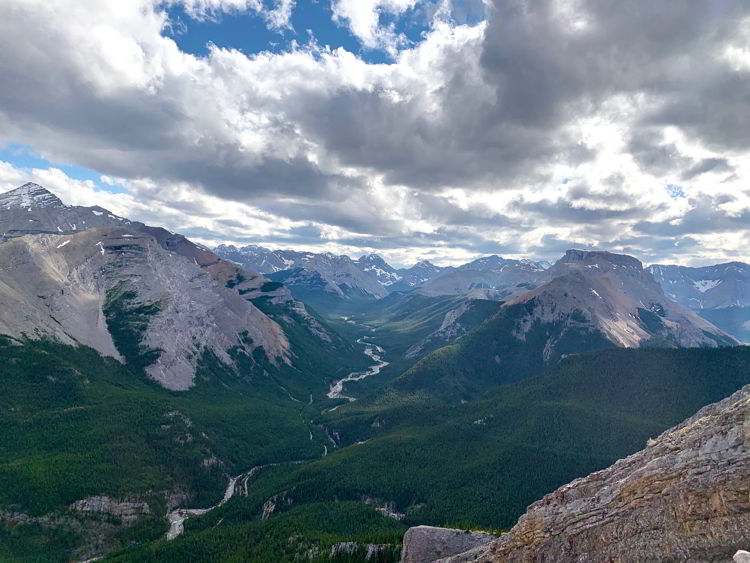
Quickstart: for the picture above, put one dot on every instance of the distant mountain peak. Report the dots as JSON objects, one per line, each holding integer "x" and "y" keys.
{"x": 372, "y": 258}
{"x": 600, "y": 257}
{"x": 29, "y": 195}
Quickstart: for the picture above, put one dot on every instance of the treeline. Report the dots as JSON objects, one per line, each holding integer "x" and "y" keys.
{"x": 304, "y": 533}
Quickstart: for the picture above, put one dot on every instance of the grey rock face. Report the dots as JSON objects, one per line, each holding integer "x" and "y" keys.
{"x": 127, "y": 511}
{"x": 613, "y": 294}
{"x": 416, "y": 276}
{"x": 75, "y": 313}
{"x": 710, "y": 287}
{"x": 57, "y": 286}
{"x": 686, "y": 497}
{"x": 384, "y": 272}
{"x": 720, "y": 293}
{"x": 29, "y": 196}
{"x": 425, "y": 544}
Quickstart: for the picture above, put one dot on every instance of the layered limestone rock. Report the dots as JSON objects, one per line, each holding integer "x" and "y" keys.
{"x": 427, "y": 543}
{"x": 127, "y": 511}
{"x": 686, "y": 497}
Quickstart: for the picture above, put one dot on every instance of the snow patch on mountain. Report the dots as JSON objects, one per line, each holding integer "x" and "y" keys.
{"x": 704, "y": 285}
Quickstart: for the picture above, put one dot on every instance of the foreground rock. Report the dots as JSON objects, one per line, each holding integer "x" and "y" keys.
{"x": 426, "y": 543}
{"x": 686, "y": 497}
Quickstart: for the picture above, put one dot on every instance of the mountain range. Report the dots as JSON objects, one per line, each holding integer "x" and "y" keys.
{"x": 83, "y": 276}
{"x": 720, "y": 293}
{"x": 167, "y": 402}
{"x": 336, "y": 274}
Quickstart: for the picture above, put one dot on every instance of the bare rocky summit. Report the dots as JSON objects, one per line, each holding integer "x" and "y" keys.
{"x": 616, "y": 296}
{"x": 32, "y": 209}
{"x": 79, "y": 274}
{"x": 685, "y": 497}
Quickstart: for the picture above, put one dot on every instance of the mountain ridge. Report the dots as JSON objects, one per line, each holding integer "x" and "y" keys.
{"x": 170, "y": 301}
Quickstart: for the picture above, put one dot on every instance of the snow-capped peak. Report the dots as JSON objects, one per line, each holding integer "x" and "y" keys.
{"x": 29, "y": 196}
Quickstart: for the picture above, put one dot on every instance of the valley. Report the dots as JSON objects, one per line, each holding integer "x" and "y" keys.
{"x": 372, "y": 351}
{"x": 180, "y": 403}
{"x": 374, "y": 281}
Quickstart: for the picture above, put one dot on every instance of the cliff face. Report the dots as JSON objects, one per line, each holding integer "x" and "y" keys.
{"x": 685, "y": 497}
{"x": 86, "y": 287}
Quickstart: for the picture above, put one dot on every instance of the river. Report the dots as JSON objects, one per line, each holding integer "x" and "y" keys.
{"x": 239, "y": 484}
{"x": 236, "y": 485}
{"x": 375, "y": 352}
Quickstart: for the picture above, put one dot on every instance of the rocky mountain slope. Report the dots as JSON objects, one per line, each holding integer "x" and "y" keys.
{"x": 506, "y": 277}
{"x": 308, "y": 274}
{"x": 142, "y": 294}
{"x": 685, "y": 497}
{"x": 31, "y": 209}
{"x": 416, "y": 276}
{"x": 258, "y": 258}
{"x": 386, "y": 274}
{"x": 595, "y": 300}
{"x": 617, "y": 297}
{"x": 503, "y": 277}
{"x": 710, "y": 287}
{"x": 720, "y": 293}
{"x": 106, "y": 287}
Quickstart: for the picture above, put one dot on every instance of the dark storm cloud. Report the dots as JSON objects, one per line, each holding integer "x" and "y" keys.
{"x": 562, "y": 211}
{"x": 358, "y": 216}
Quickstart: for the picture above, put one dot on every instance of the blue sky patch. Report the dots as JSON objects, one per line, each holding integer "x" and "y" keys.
{"x": 25, "y": 157}
{"x": 249, "y": 33}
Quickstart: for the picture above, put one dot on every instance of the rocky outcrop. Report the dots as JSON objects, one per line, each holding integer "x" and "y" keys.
{"x": 126, "y": 511}
{"x": 427, "y": 543}
{"x": 686, "y": 497}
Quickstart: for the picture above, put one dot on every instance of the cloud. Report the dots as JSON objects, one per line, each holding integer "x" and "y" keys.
{"x": 363, "y": 18}
{"x": 552, "y": 122}
{"x": 278, "y": 16}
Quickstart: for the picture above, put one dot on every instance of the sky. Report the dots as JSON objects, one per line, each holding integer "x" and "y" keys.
{"x": 417, "y": 129}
